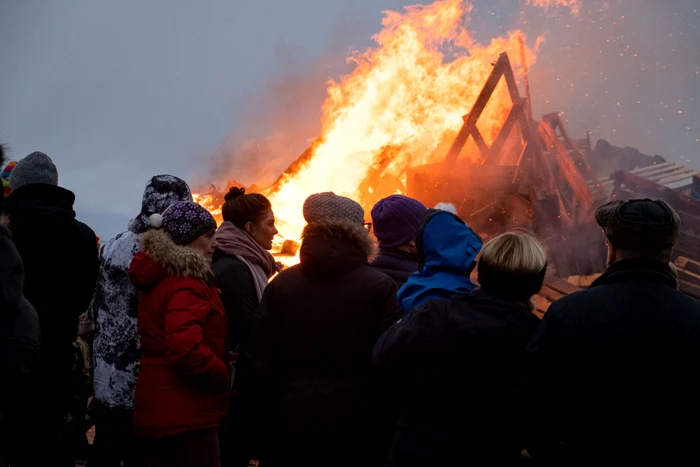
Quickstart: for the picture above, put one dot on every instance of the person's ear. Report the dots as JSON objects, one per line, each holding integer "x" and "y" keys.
{"x": 249, "y": 227}
{"x": 612, "y": 254}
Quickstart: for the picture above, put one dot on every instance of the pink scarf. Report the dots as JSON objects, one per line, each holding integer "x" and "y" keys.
{"x": 235, "y": 241}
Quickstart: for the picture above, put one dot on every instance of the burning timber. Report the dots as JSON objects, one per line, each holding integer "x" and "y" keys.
{"x": 534, "y": 176}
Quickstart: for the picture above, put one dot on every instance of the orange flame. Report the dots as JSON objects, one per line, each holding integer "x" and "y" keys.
{"x": 400, "y": 107}
{"x": 409, "y": 93}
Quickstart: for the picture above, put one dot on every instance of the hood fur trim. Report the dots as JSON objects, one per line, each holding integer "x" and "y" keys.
{"x": 341, "y": 228}
{"x": 178, "y": 260}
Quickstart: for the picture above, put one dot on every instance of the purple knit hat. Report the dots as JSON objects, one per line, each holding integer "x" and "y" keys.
{"x": 184, "y": 222}
{"x": 396, "y": 219}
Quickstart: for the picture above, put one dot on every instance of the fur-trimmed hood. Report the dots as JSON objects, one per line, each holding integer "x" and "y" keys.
{"x": 335, "y": 247}
{"x": 161, "y": 257}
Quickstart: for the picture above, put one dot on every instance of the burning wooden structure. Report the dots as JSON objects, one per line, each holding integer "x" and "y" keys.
{"x": 532, "y": 176}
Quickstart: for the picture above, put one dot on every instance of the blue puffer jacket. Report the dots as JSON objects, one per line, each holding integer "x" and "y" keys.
{"x": 447, "y": 250}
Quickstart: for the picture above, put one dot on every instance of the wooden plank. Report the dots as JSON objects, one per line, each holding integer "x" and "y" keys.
{"x": 652, "y": 168}
{"x": 470, "y": 122}
{"x": 688, "y": 264}
{"x": 667, "y": 174}
{"x": 560, "y": 285}
{"x": 688, "y": 276}
{"x": 551, "y": 295}
{"x": 678, "y": 177}
{"x": 583, "y": 281}
{"x": 480, "y": 143}
{"x": 651, "y": 189}
{"x": 689, "y": 289}
{"x": 569, "y": 171}
{"x": 513, "y": 116}
{"x": 541, "y": 303}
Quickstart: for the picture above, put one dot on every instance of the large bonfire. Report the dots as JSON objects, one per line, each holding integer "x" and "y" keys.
{"x": 400, "y": 107}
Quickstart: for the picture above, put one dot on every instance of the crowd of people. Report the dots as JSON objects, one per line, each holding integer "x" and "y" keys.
{"x": 397, "y": 341}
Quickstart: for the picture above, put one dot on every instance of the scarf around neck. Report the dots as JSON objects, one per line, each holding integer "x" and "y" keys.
{"x": 238, "y": 242}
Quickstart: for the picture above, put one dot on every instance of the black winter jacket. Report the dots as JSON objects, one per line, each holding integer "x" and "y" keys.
{"x": 20, "y": 333}
{"x": 458, "y": 363}
{"x": 312, "y": 346}
{"x": 614, "y": 371}
{"x": 238, "y": 296}
{"x": 60, "y": 263}
{"x": 397, "y": 264}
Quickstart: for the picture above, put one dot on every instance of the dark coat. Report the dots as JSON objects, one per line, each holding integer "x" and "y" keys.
{"x": 312, "y": 344}
{"x": 20, "y": 335}
{"x": 184, "y": 376}
{"x": 60, "y": 263}
{"x": 397, "y": 264}
{"x": 614, "y": 371}
{"x": 238, "y": 296}
{"x": 457, "y": 361}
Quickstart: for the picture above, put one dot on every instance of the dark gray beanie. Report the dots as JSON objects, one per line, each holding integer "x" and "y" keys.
{"x": 35, "y": 168}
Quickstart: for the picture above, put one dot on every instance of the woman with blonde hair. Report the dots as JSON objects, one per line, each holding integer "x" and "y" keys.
{"x": 459, "y": 358}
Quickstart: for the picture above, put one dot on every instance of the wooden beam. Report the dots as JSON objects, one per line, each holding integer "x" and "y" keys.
{"x": 678, "y": 200}
{"x": 652, "y": 168}
{"x": 513, "y": 117}
{"x": 473, "y": 116}
{"x": 480, "y": 143}
{"x": 667, "y": 173}
{"x": 679, "y": 177}
{"x": 569, "y": 170}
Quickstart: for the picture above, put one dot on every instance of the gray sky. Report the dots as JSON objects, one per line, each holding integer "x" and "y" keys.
{"x": 118, "y": 91}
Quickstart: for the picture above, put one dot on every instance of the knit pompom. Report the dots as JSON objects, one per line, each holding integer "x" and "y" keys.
{"x": 449, "y": 207}
{"x": 155, "y": 221}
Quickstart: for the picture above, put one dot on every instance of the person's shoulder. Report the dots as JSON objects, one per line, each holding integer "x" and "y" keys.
{"x": 229, "y": 264}
{"x": 688, "y": 304}
{"x": 83, "y": 232}
{"x": 376, "y": 275}
{"x": 582, "y": 298}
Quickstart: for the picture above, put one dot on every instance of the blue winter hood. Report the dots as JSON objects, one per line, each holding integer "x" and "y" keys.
{"x": 447, "y": 250}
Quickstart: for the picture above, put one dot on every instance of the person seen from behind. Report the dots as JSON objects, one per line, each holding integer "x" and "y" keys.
{"x": 312, "y": 341}
{"x": 395, "y": 222}
{"x": 447, "y": 250}
{"x": 184, "y": 375}
{"x": 457, "y": 360}
{"x": 243, "y": 266}
{"x": 114, "y": 309}
{"x": 20, "y": 340}
{"x": 620, "y": 356}
{"x": 60, "y": 265}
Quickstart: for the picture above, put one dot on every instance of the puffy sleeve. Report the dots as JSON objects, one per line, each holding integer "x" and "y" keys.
{"x": 185, "y": 350}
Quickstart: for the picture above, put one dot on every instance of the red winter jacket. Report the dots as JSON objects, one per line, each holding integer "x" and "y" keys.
{"x": 184, "y": 378}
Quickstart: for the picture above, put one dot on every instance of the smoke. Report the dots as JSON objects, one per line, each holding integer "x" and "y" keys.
{"x": 627, "y": 71}
{"x": 281, "y": 121}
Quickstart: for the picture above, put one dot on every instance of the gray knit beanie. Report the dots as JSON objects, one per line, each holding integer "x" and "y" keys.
{"x": 330, "y": 206}
{"x": 35, "y": 168}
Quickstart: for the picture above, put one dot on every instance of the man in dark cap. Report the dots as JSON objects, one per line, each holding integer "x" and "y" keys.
{"x": 614, "y": 368}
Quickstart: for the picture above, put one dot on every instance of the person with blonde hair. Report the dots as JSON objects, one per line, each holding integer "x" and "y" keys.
{"x": 458, "y": 361}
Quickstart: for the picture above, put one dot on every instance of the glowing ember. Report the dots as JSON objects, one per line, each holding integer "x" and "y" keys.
{"x": 400, "y": 107}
